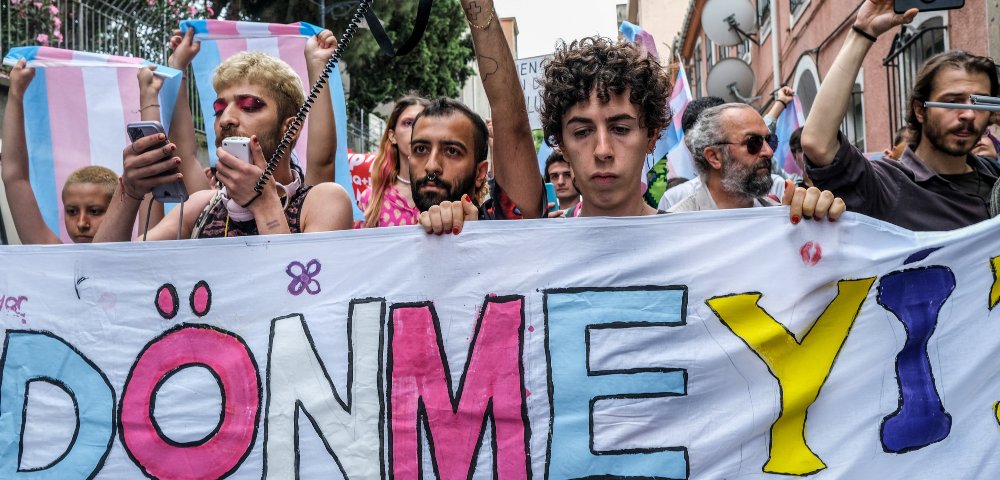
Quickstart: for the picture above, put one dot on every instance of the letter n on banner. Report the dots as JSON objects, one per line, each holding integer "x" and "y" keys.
{"x": 573, "y": 318}
{"x": 491, "y": 390}
{"x": 801, "y": 367}
{"x": 298, "y": 383}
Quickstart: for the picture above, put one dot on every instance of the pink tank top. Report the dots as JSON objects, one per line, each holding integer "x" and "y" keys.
{"x": 397, "y": 211}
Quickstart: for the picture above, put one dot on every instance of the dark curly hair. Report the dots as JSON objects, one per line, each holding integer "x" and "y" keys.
{"x": 609, "y": 67}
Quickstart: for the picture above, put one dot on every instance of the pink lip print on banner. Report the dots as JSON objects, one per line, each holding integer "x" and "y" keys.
{"x": 304, "y": 279}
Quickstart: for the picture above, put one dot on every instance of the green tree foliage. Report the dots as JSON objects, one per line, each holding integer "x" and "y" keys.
{"x": 439, "y": 66}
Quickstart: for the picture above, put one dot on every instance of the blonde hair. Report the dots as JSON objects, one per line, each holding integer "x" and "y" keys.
{"x": 265, "y": 70}
{"x": 100, "y": 176}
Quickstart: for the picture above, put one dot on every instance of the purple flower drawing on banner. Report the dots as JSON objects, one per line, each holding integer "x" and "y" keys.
{"x": 303, "y": 277}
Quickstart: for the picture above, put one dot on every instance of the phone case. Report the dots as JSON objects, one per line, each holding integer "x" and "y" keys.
{"x": 550, "y": 196}
{"x": 238, "y": 147}
{"x": 173, "y": 192}
{"x": 901, "y": 6}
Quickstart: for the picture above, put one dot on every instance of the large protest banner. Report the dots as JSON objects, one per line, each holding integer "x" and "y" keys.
{"x": 739, "y": 346}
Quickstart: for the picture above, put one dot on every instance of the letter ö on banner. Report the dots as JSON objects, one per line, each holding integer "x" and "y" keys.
{"x": 31, "y": 356}
{"x": 352, "y": 432}
{"x": 491, "y": 389}
{"x": 801, "y": 368}
{"x": 915, "y": 297}
{"x": 219, "y": 455}
{"x": 570, "y": 316}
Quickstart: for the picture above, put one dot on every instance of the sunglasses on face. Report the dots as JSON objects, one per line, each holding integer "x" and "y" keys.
{"x": 755, "y": 143}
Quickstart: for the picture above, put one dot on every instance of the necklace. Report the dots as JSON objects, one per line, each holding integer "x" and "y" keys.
{"x": 401, "y": 179}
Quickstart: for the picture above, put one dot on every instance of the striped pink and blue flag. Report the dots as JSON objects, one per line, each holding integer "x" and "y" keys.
{"x": 75, "y": 113}
{"x": 221, "y": 39}
{"x": 790, "y": 120}
{"x": 671, "y": 144}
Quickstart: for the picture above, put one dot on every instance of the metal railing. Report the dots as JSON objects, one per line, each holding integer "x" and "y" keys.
{"x": 910, "y": 49}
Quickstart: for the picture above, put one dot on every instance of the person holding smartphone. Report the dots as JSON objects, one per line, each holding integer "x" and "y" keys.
{"x": 258, "y": 98}
{"x": 937, "y": 184}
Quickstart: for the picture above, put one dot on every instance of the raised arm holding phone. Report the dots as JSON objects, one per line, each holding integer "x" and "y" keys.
{"x": 936, "y": 184}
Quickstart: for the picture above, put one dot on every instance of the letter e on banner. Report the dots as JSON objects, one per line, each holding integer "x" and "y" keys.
{"x": 572, "y": 318}
{"x": 221, "y": 453}
{"x": 491, "y": 388}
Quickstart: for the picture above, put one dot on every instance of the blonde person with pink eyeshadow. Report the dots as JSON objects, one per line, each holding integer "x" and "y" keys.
{"x": 388, "y": 202}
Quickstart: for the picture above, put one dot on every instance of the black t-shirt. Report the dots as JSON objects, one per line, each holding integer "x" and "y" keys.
{"x": 972, "y": 183}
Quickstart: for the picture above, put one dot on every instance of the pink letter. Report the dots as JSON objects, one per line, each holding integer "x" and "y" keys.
{"x": 220, "y": 454}
{"x": 492, "y": 386}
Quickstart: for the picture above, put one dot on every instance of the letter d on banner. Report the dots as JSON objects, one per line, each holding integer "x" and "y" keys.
{"x": 30, "y": 356}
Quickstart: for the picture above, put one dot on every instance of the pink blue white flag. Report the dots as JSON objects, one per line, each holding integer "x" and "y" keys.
{"x": 671, "y": 143}
{"x": 75, "y": 113}
{"x": 790, "y": 120}
{"x": 221, "y": 39}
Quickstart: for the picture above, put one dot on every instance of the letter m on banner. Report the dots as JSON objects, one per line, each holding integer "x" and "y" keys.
{"x": 491, "y": 392}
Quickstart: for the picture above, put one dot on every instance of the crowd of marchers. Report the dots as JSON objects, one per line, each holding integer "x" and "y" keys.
{"x": 440, "y": 165}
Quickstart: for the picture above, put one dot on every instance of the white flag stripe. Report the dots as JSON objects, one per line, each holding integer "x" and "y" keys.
{"x": 105, "y": 117}
{"x": 267, "y": 45}
{"x": 253, "y": 29}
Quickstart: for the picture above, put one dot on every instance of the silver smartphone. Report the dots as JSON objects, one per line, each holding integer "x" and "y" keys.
{"x": 238, "y": 147}
{"x": 173, "y": 192}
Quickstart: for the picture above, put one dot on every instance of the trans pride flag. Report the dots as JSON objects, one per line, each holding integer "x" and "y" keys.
{"x": 671, "y": 143}
{"x": 75, "y": 113}
{"x": 789, "y": 121}
{"x": 221, "y": 39}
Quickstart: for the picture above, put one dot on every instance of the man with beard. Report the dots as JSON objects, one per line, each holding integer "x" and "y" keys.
{"x": 448, "y": 158}
{"x": 732, "y": 150}
{"x": 936, "y": 184}
{"x": 258, "y": 97}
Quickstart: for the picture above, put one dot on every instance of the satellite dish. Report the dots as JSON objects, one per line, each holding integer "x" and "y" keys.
{"x": 732, "y": 80}
{"x": 728, "y": 22}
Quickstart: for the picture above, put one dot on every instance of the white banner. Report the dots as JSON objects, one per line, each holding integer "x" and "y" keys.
{"x": 710, "y": 345}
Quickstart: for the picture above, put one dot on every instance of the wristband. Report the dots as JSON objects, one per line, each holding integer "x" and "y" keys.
{"x": 864, "y": 33}
{"x": 782, "y": 102}
{"x": 121, "y": 184}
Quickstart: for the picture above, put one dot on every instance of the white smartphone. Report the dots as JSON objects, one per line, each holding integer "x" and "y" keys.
{"x": 238, "y": 147}
{"x": 173, "y": 192}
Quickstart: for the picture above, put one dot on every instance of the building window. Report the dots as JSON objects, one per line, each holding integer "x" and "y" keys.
{"x": 764, "y": 13}
{"x": 806, "y": 83}
{"x": 853, "y": 125}
{"x": 797, "y": 7}
{"x": 743, "y": 51}
{"x": 697, "y": 69}
{"x": 709, "y": 54}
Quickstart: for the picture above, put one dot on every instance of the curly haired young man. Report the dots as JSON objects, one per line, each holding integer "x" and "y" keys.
{"x": 604, "y": 106}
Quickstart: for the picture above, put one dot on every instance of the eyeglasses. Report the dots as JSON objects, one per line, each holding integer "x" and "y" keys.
{"x": 755, "y": 142}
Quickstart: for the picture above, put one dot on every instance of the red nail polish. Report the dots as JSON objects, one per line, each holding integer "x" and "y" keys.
{"x": 832, "y": 220}
{"x": 465, "y": 198}
{"x": 455, "y": 232}
{"x": 817, "y": 218}
{"x": 439, "y": 234}
{"x": 795, "y": 220}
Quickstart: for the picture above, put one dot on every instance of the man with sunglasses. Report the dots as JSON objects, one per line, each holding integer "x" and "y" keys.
{"x": 732, "y": 150}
